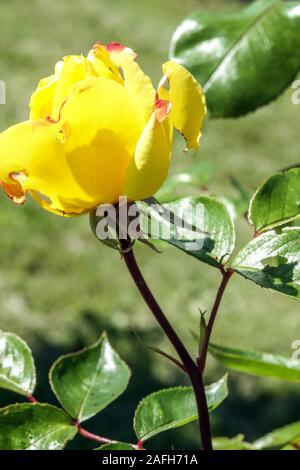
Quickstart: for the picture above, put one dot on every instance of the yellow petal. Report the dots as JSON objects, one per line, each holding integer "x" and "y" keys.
{"x": 102, "y": 63}
{"x": 79, "y": 162}
{"x": 99, "y": 128}
{"x": 52, "y": 91}
{"x": 32, "y": 149}
{"x": 136, "y": 82}
{"x": 74, "y": 69}
{"x": 188, "y": 103}
{"x": 99, "y": 104}
{"x": 138, "y": 85}
{"x": 63, "y": 206}
{"x": 149, "y": 167}
{"x": 118, "y": 51}
{"x": 41, "y": 102}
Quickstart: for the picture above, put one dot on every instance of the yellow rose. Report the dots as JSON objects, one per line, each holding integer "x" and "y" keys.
{"x": 99, "y": 130}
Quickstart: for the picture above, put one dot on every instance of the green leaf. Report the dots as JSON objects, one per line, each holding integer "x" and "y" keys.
{"x": 257, "y": 363}
{"x": 111, "y": 239}
{"x": 174, "y": 407}
{"x": 232, "y": 443}
{"x": 17, "y": 371}
{"x": 294, "y": 445}
{"x": 87, "y": 381}
{"x": 277, "y": 201}
{"x": 272, "y": 260}
{"x": 116, "y": 446}
{"x": 279, "y": 437}
{"x": 34, "y": 427}
{"x": 243, "y": 59}
{"x": 209, "y": 234}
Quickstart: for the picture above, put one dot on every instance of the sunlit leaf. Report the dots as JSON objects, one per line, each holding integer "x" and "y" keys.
{"x": 279, "y": 437}
{"x": 34, "y": 427}
{"x": 231, "y": 443}
{"x": 203, "y": 227}
{"x": 87, "y": 381}
{"x": 17, "y": 371}
{"x": 243, "y": 59}
{"x": 257, "y": 363}
{"x": 277, "y": 201}
{"x": 272, "y": 260}
{"x": 174, "y": 407}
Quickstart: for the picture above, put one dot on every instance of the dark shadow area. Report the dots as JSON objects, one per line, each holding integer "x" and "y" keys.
{"x": 255, "y": 414}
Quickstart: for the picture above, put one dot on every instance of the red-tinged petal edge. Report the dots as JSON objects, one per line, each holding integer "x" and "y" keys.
{"x": 162, "y": 109}
{"x": 118, "y": 47}
{"x": 15, "y": 190}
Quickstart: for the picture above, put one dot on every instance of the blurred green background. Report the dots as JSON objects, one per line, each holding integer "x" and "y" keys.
{"x": 60, "y": 288}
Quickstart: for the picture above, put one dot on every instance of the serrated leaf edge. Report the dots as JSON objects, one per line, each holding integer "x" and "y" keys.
{"x": 217, "y": 262}
{"x": 275, "y": 224}
{"x": 33, "y": 381}
{"x": 43, "y": 405}
{"x": 219, "y": 115}
{"x": 231, "y": 353}
{"x": 186, "y": 421}
{"x": 78, "y": 353}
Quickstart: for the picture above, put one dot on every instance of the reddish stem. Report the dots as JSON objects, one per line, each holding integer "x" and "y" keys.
{"x": 83, "y": 432}
{"x": 32, "y": 399}
{"x": 226, "y": 275}
{"x": 93, "y": 437}
{"x": 140, "y": 445}
{"x": 188, "y": 363}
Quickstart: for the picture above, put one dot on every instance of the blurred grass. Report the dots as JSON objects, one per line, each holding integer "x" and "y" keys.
{"x": 59, "y": 288}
